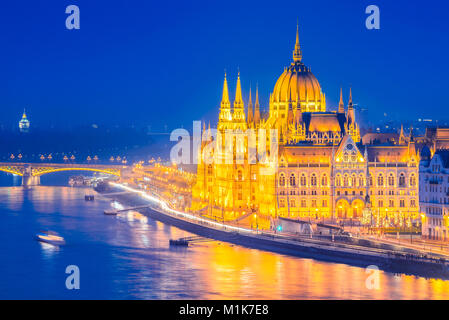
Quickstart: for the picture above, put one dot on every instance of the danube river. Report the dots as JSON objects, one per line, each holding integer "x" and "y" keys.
{"x": 128, "y": 257}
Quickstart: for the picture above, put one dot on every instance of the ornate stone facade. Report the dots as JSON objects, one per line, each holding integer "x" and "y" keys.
{"x": 320, "y": 167}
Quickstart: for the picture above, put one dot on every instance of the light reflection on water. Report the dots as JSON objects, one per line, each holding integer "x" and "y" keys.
{"x": 128, "y": 256}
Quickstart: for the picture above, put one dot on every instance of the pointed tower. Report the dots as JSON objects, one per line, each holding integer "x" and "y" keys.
{"x": 257, "y": 108}
{"x": 411, "y": 145}
{"x": 401, "y": 135}
{"x": 297, "y": 53}
{"x": 239, "y": 107}
{"x": 250, "y": 109}
{"x": 351, "y": 112}
{"x": 341, "y": 105}
{"x": 225, "y": 105}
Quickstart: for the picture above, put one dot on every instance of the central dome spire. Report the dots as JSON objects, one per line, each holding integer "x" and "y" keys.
{"x": 297, "y": 53}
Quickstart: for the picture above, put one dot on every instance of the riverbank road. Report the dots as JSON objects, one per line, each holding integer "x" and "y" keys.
{"x": 422, "y": 245}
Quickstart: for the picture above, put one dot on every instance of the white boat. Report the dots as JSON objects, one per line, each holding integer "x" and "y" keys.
{"x": 50, "y": 237}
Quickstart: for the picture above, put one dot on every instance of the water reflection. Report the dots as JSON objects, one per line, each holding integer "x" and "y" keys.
{"x": 48, "y": 250}
{"x": 128, "y": 256}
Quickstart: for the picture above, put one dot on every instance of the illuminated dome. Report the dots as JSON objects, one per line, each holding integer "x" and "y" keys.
{"x": 297, "y": 84}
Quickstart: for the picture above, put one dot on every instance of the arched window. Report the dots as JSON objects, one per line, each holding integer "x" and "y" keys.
{"x": 353, "y": 181}
{"x": 380, "y": 180}
{"x": 239, "y": 175}
{"x": 313, "y": 180}
{"x": 209, "y": 169}
{"x": 282, "y": 180}
{"x": 338, "y": 181}
{"x": 303, "y": 180}
{"x": 345, "y": 157}
{"x": 402, "y": 180}
{"x": 345, "y": 180}
{"x": 391, "y": 180}
{"x": 361, "y": 181}
{"x": 354, "y": 157}
{"x": 292, "y": 180}
{"x": 412, "y": 180}
{"x": 324, "y": 180}
{"x": 370, "y": 180}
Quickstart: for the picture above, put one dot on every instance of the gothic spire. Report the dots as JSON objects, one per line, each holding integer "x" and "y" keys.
{"x": 350, "y": 104}
{"x": 225, "y": 103}
{"x": 297, "y": 53}
{"x": 257, "y": 107}
{"x": 238, "y": 102}
{"x": 341, "y": 105}
{"x": 250, "y": 108}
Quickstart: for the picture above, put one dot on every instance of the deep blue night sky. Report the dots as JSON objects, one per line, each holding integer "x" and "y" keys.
{"x": 155, "y": 63}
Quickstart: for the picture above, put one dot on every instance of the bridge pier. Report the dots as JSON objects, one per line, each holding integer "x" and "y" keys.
{"x": 28, "y": 179}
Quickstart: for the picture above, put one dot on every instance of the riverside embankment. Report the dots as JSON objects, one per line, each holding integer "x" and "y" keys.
{"x": 392, "y": 259}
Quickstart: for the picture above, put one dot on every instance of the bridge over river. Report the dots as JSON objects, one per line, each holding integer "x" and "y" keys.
{"x": 31, "y": 172}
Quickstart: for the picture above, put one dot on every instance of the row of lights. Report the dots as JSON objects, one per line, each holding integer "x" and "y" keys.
{"x": 72, "y": 157}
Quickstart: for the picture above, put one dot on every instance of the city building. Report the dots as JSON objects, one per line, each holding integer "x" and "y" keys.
{"x": 320, "y": 168}
{"x": 434, "y": 195}
{"x": 24, "y": 123}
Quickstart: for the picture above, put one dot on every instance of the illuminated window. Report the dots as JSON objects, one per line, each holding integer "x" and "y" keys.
{"x": 338, "y": 180}
{"x": 292, "y": 180}
{"x": 380, "y": 180}
{"x": 413, "y": 180}
{"x": 345, "y": 180}
{"x": 391, "y": 180}
{"x": 353, "y": 181}
{"x": 313, "y": 180}
{"x": 282, "y": 203}
{"x": 324, "y": 181}
{"x": 402, "y": 180}
{"x": 361, "y": 181}
{"x": 303, "y": 180}
{"x": 282, "y": 180}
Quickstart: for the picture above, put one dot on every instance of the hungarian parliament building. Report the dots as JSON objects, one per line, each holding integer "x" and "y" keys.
{"x": 323, "y": 169}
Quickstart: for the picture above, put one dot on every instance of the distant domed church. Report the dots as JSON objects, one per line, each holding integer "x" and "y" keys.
{"x": 24, "y": 123}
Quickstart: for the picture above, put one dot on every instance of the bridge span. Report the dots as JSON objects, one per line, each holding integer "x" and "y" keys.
{"x": 31, "y": 172}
